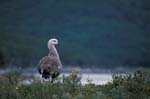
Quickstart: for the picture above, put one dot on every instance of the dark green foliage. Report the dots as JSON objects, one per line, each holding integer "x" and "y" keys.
{"x": 2, "y": 61}
{"x": 128, "y": 86}
{"x": 3, "y": 57}
{"x": 97, "y": 32}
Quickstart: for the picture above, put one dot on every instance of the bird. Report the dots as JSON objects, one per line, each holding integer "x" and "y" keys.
{"x": 50, "y": 66}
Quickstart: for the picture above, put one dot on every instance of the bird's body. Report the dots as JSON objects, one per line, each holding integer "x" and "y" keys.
{"x": 50, "y": 66}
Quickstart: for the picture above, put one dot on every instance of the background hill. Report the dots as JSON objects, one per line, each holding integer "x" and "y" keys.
{"x": 103, "y": 33}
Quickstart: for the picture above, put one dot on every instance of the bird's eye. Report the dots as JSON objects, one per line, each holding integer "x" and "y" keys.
{"x": 55, "y": 41}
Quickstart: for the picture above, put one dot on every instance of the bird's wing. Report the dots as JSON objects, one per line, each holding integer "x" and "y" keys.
{"x": 55, "y": 63}
{"x": 41, "y": 63}
{"x": 50, "y": 64}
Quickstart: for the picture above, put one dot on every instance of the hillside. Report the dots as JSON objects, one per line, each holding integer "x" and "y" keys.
{"x": 98, "y": 33}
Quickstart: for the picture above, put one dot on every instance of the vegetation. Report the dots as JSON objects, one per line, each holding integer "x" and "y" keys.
{"x": 2, "y": 61}
{"x": 129, "y": 86}
{"x": 94, "y": 33}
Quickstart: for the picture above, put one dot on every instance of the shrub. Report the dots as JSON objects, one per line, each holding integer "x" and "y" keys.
{"x": 128, "y": 86}
{"x": 131, "y": 86}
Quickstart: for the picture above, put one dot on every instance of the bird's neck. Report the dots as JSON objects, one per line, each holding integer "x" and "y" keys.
{"x": 53, "y": 51}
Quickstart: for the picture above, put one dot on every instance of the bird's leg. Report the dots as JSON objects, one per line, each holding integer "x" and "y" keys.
{"x": 42, "y": 80}
{"x": 54, "y": 76}
{"x": 49, "y": 79}
{"x": 52, "y": 80}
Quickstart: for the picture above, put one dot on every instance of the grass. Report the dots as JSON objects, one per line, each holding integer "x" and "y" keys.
{"x": 135, "y": 85}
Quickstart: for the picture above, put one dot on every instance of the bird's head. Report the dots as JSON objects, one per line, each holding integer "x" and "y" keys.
{"x": 52, "y": 42}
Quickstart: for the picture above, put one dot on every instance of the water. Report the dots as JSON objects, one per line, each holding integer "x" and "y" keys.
{"x": 96, "y": 78}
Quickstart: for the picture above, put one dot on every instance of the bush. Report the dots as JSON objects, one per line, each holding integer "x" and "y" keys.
{"x": 2, "y": 58}
{"x": 128, "y": 86}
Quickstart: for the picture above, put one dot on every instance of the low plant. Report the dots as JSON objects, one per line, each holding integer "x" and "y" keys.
{"x": 128, "y": 86}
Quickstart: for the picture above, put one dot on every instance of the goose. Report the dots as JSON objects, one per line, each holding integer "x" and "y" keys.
{"x": 50, "y": 66}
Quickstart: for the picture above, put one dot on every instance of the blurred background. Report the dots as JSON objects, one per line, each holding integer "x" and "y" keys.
{"x": 92, "y": 33}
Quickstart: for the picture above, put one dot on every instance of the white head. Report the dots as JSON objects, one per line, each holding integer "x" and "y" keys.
{"x": 52, "y": 42}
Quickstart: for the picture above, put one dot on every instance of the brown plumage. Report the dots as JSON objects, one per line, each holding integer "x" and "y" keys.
{"x": 50, "y": 66}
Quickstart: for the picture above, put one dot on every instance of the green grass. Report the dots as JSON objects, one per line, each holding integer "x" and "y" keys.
{"x": 135, "y": 85}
